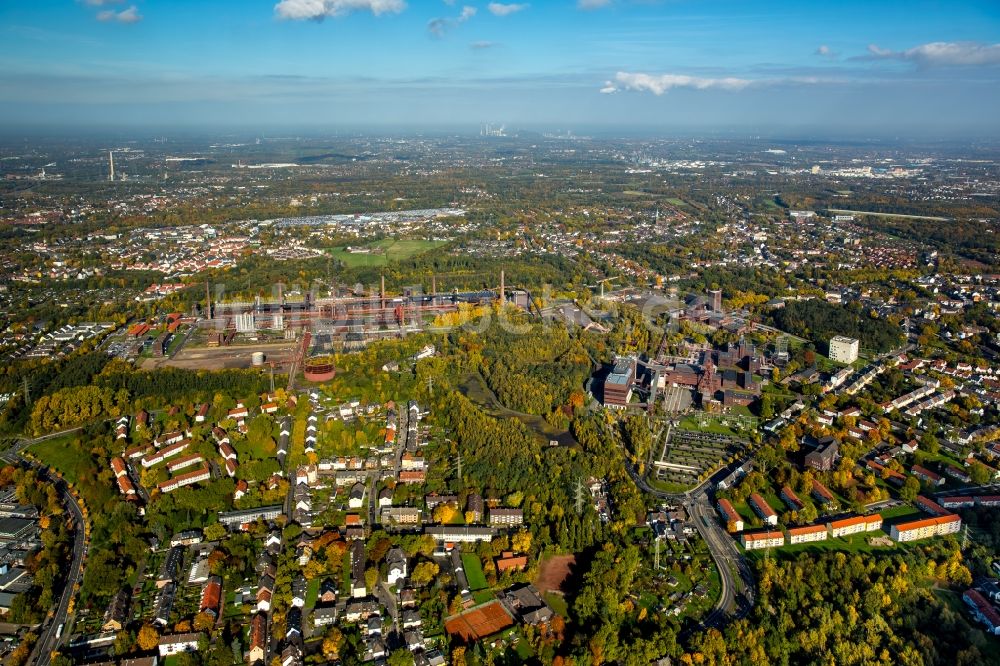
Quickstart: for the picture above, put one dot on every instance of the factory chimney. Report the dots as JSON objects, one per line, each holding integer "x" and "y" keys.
{"x": 111, "y": 164}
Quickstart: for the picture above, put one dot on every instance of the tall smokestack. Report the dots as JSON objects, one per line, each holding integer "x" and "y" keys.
{"x": 503, "y": 293}
{"x": 208, "y": 301}
{"x": 381, "y": 292}
{"x": 111, "y": 164}
{"x": 434, "y": 285}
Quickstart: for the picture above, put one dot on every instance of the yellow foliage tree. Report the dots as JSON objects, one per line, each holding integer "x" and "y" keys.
{"x": 148, "y": 638}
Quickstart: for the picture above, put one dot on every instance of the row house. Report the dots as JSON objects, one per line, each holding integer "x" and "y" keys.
{"x": 759, "y": 540}
{"x": 930, "y": 506}
{"x": 506, "y": 517}
{"x": 173, "y": 484}
{"x": 791, "y": 499}
{"x": 958, "y": 502}
{"x": 925, "y": 528}
{"x": 807, "y": 534}
{"x": 733, "y": 521}
{"x": 186, "y": 461}
{"x": 165, "y": 453}
{"x": 763, "y": 509}
{"x": 822, "y": 493}
{"x": 854, "y": 525}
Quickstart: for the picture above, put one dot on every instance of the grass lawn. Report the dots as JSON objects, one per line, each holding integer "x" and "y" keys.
{"x": 473, "y": 571}
{"x": 558, "y": 603}
{"x": 483, "y": 596}
{"x": 674, "y": 201}
{"x": 901, "y": 511}
{"x": 523, "y": 648}
{"x": 712, "y": 426}
{"x": 667, "y": 486}
{"x": 855, "y": 543}
{"x": 392, "y": 250}
{"x": 312, "y": 592}
{"x": 58, "y": 454}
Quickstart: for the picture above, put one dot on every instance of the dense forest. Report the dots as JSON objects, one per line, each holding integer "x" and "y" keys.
{"x": 819, "y": 321}
{"x": 841, "y": 609}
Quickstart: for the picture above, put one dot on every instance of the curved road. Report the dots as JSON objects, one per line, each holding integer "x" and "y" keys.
{"x": 736, "y": 577}
{"x": 47, "y": 641}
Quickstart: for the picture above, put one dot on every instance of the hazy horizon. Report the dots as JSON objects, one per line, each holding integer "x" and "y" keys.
{"x": 839, "y": 69}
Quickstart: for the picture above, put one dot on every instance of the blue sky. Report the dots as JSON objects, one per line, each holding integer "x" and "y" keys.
{"x": 686, "y": 65}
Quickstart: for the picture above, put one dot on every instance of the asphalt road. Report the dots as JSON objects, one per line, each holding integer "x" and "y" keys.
{"x": 47, "y": 641}
{"x": 735, "y": 574}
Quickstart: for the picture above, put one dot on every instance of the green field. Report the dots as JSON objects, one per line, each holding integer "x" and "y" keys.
{"x": 474, "y": 572}
{"x": 483, "y": 596}
{"x": 60, "y": 456}
{"x": 392, "y": 250}
{"x": 312, "y": 592}
{"x": 674, "y": 201}
{"x": 558, "y": 603}
{"x": 711, "y": 425}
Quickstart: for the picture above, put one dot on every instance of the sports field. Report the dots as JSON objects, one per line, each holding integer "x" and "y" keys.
{"x": 479, "y": 622}
{"x": 383, "y": 252}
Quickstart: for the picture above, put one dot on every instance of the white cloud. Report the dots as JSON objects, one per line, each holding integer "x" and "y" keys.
{"x": 317, "y": 10}
{"x": 482, "y": 45}
{"x": 943, "y": 54}
{"x": 592, "y": 4}
{"x": 661, "y": 83}
{"x": 130, "y": 15}
{"x": 825, "y": 51}
{"x": 500, "y": 9}
{"x": 102, "y": 3}
{"x": 439, "y": 26}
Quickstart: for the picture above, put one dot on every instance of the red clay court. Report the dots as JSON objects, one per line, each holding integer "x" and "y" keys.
{"x": 479, "y": 622}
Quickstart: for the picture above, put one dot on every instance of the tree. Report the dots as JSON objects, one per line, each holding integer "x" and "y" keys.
{"x": 980, "y": 473}
{"x": 371, "y": 578}
{"x": 521, "y": 542}
{"x": 930, "y": 443}
{"x": 332, "y": 642}
{"x": 445, "y": 513}
{"x": 401, "y": 657}
{"x": 203, "y": 621}
{"x": 910, "y": 489}
{"x": 214, "y": 532}
{"x": 148, "y": 638}
{"x": 424, "y": 573}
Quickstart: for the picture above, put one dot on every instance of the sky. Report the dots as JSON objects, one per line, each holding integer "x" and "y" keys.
{"x": 840, "y": 67}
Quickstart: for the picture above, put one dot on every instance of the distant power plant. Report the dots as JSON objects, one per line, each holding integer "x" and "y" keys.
{"x": 489, "y": 129}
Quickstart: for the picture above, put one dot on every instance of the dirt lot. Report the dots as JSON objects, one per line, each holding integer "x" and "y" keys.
{"x": 553, "y": 572}
{"x": 234, "y": 356}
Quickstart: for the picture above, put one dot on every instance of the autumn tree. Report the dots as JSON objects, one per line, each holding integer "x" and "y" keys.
{"x": 148, "y": 638}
